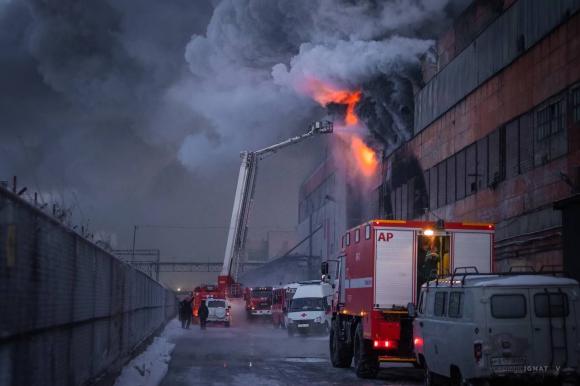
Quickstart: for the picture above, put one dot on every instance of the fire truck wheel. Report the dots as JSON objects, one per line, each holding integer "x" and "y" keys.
{"x": 366, "y": 360}
{"x": 340, "y": 352}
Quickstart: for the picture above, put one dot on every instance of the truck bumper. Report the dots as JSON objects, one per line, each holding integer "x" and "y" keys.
{"x": 399, "y": 359}
{"x": 260, "y": 312}
{"x": 307, "y": 328}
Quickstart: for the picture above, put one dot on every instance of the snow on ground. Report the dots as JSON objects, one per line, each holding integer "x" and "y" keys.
{"x": 149, "y": 368}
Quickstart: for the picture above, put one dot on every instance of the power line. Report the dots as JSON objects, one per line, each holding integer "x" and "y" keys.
{"x": 220, "y": 227}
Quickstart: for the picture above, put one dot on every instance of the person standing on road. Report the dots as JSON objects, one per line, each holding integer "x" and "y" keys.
{"x": 181, "y": 313}
{"x": 185, "y": 311}
{"x": 202, "y": 313}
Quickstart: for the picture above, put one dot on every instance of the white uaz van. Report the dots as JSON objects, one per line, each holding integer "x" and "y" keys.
{"x": 310, "y": 308}
{"x": 218, "y": 311}
{"x": 476, "y": 328}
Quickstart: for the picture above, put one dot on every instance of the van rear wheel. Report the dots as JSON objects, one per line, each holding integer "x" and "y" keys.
{"x": 340, "y": 351}
{"x": 366, "y": 360}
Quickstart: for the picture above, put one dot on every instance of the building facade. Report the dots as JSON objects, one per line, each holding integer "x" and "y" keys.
{"x": 497, "y": 132}
{"x": 322, "y": 211}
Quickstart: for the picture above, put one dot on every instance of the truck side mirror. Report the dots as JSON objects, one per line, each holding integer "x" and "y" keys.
{"x": 324, "y": 268}
{"x": 411, "y": 310}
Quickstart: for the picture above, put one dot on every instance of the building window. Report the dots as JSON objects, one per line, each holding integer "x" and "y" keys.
{"x": 450, "y": 179}
{"x": 433, "y": 188}
{"x": 357, "y": 235}
{"x": 411, "y": 198}
{"x": 550, "y": 133}
{"x": 496, "y": 157}
{"x": 460, "y": 174}
{"x": 426, "y": 179}
{"x": 512, "y": 134}
{"x": 482, "y": 164}
{"x": 549, "y": 120}
{"x": 526, "y": 142}
{"x": 576, "y": 104}
{"x": 442, "y": 184}
{"x": 347, "y": 239}
{"x": 471, "y": 169}
{"x": 404, "y": 202}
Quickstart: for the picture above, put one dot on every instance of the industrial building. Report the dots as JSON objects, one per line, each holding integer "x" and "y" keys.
{"x": 496, "y": 135}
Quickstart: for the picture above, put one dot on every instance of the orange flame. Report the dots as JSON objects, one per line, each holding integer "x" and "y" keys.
{"x": 325, "y": 93}
{"x": 365, "y": 157}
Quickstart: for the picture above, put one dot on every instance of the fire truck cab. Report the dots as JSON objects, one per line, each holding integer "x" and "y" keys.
{"x": 258, "y": 302}
{"x": 380, "y": 271}
{"x": 202, "y": 293}
{"x": 281, "y": 303}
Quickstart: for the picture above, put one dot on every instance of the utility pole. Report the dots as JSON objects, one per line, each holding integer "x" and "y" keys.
{"x": 310, "y": 264}
{"x": 133, "y": 248}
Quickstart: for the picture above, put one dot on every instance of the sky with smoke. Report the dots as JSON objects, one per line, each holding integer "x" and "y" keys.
{"x": 134, "y": 112}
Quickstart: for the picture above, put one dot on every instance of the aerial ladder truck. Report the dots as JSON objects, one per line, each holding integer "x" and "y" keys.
{"x": 237, "y": 233}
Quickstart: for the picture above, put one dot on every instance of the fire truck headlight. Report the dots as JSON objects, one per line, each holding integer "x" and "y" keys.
{"x": 428, "y": 232}
{"x": 318, "y": 319}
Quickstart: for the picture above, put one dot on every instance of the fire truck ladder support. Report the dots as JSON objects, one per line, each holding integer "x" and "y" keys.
{"x": 238, "y": 229}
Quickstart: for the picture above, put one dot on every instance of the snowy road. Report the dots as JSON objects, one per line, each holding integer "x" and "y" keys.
{"x": 258, "y": 354}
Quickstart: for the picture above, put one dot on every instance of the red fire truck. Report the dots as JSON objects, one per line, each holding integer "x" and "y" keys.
{"x": 383, "y": 264}
{"x": 281, "y": 303}
{"x": 258, "y": 301}
{"x": 203, "y": 292}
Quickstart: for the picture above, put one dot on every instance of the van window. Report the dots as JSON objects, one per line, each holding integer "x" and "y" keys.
{"x": 308, "y": 304}
{"x": 558, "y": 305}
{"x": 508, "y": 306}
{"x": 455, "y": 306}
{"x": 217, "y": 304}
{"x": 420, "y": 308}
{"x": 440, "y": 298}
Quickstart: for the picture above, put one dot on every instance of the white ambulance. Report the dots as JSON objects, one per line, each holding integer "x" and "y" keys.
{"x": 310, "y": 310}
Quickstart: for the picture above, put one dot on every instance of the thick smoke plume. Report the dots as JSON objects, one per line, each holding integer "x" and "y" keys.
{"x": 141, "y": 107}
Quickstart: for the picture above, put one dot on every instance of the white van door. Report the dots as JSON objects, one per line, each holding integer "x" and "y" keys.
{"x": 509, "y": 329}
{"x": 554, "y": 324}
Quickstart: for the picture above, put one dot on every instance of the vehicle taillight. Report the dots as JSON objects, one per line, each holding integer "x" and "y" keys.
{"x": 418, "y": 342}
{"x": 383, "y": 344}
{"x": 477, "y": 351}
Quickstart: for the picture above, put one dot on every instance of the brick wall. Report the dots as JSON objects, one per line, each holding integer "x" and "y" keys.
{"x": 521, "y": 203}
{"x": 69, "y": 311}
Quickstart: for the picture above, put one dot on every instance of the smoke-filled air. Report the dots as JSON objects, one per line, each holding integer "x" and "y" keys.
{"x": 134, "y": 112}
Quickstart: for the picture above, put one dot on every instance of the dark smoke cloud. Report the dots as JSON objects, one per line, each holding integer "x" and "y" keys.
{"x": 138, "y": 109}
